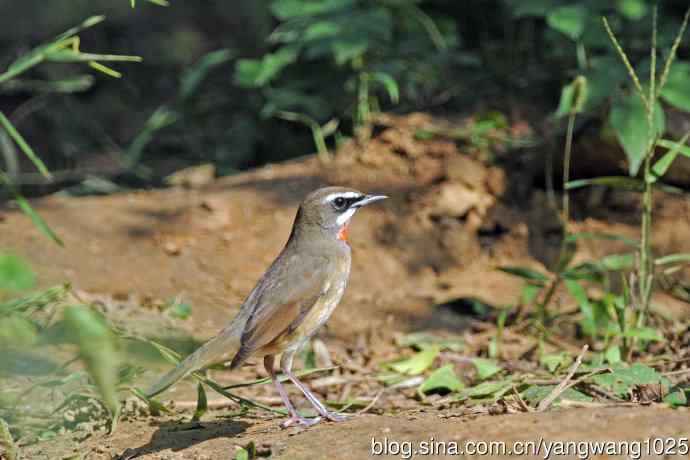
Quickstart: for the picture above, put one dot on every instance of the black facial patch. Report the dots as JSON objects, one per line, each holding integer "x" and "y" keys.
{"x": 341, "y": 203}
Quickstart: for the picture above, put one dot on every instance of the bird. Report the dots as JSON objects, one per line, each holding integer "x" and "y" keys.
{"x": 291, "y": 301}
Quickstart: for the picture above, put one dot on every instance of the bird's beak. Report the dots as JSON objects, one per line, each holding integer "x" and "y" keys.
{"x": 368, "y": 199}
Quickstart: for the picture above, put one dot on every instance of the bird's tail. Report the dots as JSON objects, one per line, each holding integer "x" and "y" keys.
{"x": 225, "y": 344}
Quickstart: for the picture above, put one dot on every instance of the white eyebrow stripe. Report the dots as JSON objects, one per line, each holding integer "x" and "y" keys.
{"x": 333, "y": 196}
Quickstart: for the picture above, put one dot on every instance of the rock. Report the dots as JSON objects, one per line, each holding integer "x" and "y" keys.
{"x": 463, "y": 169}
{"x": 456, "y": 200}
{"x": 193, "y": 177}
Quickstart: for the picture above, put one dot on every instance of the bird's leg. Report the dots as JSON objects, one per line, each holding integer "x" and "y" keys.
{"x": 294, "y": 416}
{"x": 286, "y": 366}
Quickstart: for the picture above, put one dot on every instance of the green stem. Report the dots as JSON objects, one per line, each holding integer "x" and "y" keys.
{"x": 547, "y": 299}
{"x": 363, "y": 111}
{"x": 566, "y": 172}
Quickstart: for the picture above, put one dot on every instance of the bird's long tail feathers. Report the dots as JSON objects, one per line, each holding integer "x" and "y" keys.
{"x": 224, "y": 345}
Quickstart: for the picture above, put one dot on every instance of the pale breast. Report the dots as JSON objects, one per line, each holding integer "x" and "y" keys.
{"x": 322, "y": 310}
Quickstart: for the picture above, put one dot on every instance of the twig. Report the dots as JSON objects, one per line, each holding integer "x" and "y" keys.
{"x": 682, "y": 371}
{"x": 546, "y": 402}
{"x": 213, "y": 404}
{"x": 372, "y": 403}
{"x": 521, "y": 401}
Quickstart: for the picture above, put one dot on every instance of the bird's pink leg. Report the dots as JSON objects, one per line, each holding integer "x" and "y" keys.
{"x": 295, "y": 418}
{"x": 286, "y": 365}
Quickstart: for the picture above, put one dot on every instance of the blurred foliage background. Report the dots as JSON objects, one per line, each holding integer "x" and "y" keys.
{"x": 250, "y": 82}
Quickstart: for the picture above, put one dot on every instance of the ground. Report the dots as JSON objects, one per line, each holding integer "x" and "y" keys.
{"x": 416, "y": 252}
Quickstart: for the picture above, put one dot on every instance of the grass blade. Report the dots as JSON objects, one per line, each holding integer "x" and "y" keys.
{"x": 37, "y": 220}
{"x": 201, "y": 403}
{"x": 24, "y": 146}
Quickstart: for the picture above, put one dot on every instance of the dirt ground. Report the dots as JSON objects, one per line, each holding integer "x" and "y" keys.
{"x": 420, "y": 249}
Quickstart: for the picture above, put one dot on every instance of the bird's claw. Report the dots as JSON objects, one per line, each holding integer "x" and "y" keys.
{"x": 334, "y": 417}
{"x": 297, "y": 420}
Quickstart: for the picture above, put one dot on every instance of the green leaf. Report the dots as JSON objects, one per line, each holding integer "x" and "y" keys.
{"x": 417, "y": 363}
{"x": 15, "y": 273}
{"x": 201, "y": 403}
{"x": 632, "y": 9}
{"x": 573, "y": 97}
{"x": 526, "y": 8}
{"x": 621, "y": 182}
{"x": 348, "y": 50}
{"x": 669, "y": 144}
{"x": 679, "y": 397}
{"x": 662, "y": 164}
{"x": 554, "y": 361}
{"x": 623, "y": 379}
{"x": 528, "y": 293}
{"x": 193, "y": 77}
{"x": 180, "y": 310}
{"x": 422, "y": 340}
{"x": 677, "y": 89}
{"x": 321, "y": 30}
{"x": 255, "y": 73}
{"x": 580, "y": 295}
{"x": 570, "y": 20}
{"x": 389, "y": 83}
{"x": 290, "y": 9}
{"x": 486, "y": 367}
{"x": 645, "y": 333}
{"x": 613, "y": 354}
{"x": 680, "y": 258}
{"x": 600, "y": 236}
{"x": 155, "y": 407}
{"x": 241, "y": 454}
{"x": 526, "y": 273}
{"x": 497, "y": 389}
{"x": 535, "y": 393}
{"x": 625, "y": 183}
{"x": 442, "y": 379}
{"x": 17, "y": 331}
{"x": 628, "y": 119}
{"x": 617, "y": 262}
{"x": 98, "y": 350}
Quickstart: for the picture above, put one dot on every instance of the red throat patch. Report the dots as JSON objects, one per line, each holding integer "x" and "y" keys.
{"x": 343, "y": 233}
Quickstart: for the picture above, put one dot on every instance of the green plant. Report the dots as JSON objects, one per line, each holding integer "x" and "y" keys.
{"x": 650, "y": 173}
{"x": 574, "y": 30}
{"x": 333, "y": 57}
{"x": 63, "y": 48}
{"x": 38, "y": 329}
{"x": 609, "y": 317}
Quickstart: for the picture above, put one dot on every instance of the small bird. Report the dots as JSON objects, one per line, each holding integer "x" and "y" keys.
{"x": 291, "y": 301}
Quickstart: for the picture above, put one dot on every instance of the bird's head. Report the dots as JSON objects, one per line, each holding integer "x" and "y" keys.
{"x": 331, "y": 208}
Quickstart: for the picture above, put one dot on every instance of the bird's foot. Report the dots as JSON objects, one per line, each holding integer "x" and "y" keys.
{"x": 297, "y": 420}
{"x": 334, "y": 417}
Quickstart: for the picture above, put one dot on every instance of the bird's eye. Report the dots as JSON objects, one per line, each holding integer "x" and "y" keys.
{"x": 339, "y": 202}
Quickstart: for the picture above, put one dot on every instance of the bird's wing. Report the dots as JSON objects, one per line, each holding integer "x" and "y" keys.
{"x": 282, "y": 299}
